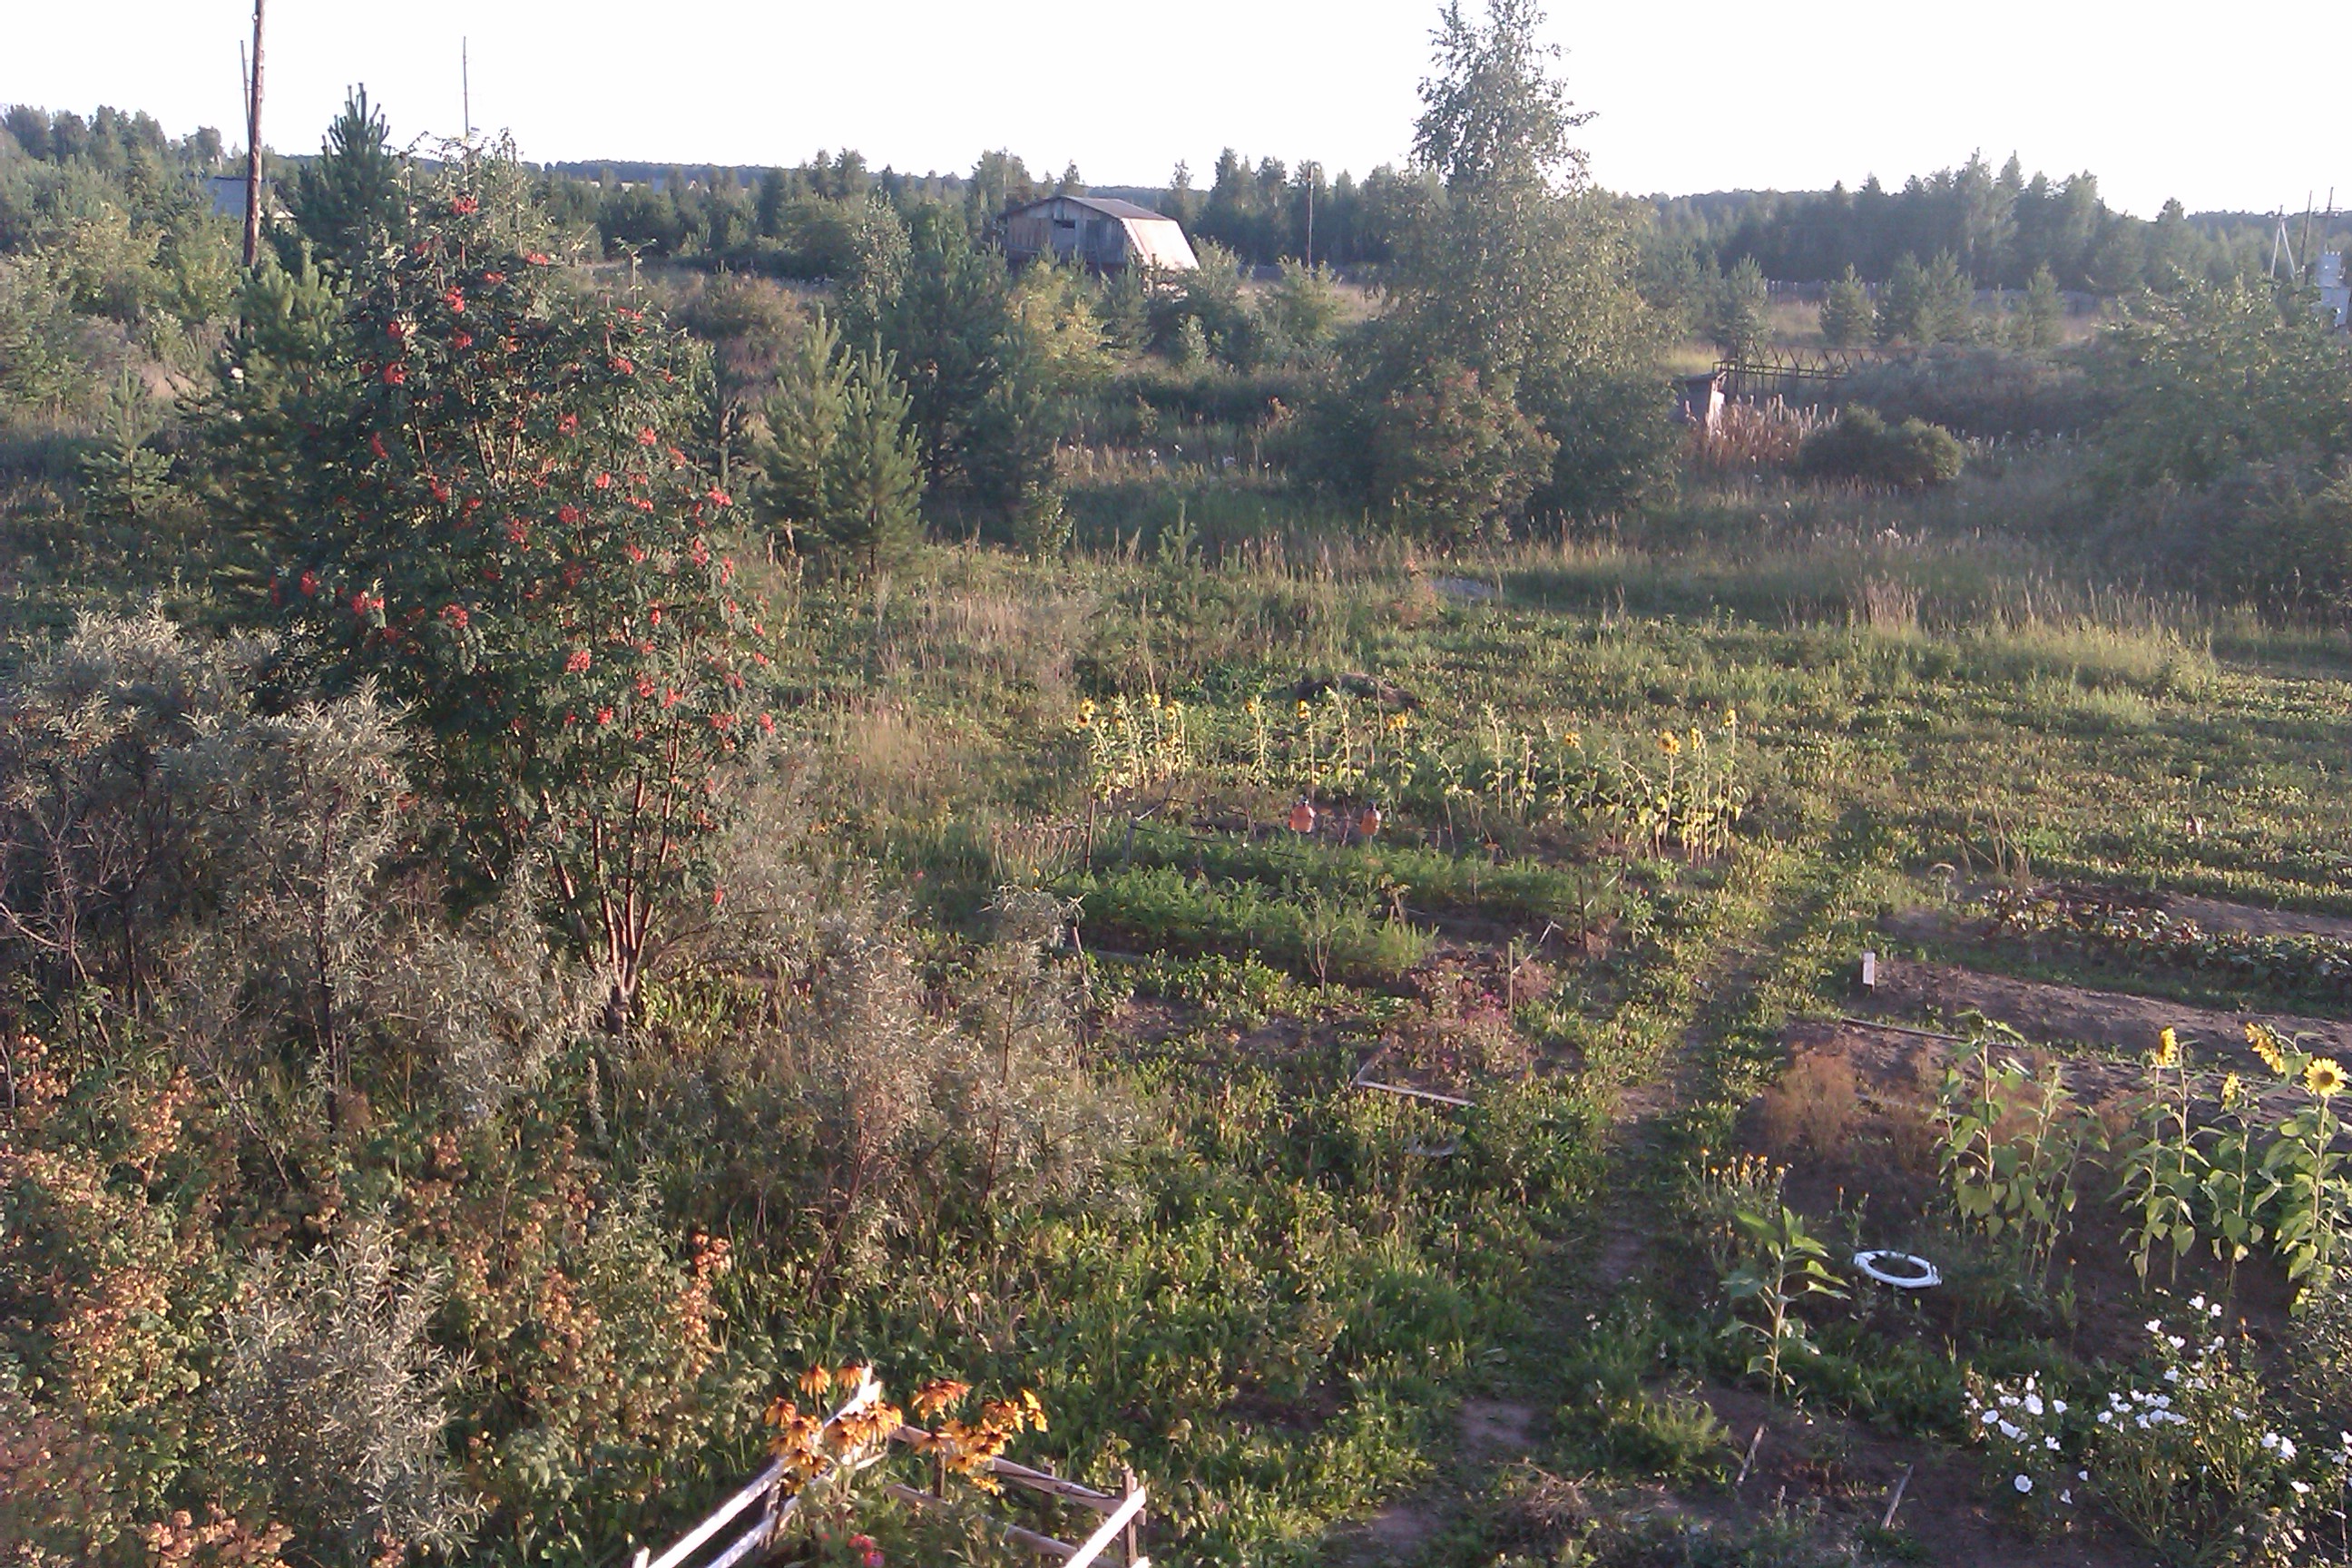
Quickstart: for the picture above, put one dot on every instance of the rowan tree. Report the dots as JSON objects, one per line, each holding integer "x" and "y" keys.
{"x": 493, "y": 520}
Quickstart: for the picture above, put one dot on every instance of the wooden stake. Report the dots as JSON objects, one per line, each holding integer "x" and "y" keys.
{"x": 253, "y": 149}
{"x": 1753, "y": 1443}
{"x": 1894, "y": 1499}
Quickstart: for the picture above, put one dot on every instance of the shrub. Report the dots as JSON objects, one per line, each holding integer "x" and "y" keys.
{"x": 331, "y": 1384}
{"x": 1989, "y": 394}
{"x": 1861, "y": 446}
{"x": 1441, "y": 452}
{"x": 491, "y": 515}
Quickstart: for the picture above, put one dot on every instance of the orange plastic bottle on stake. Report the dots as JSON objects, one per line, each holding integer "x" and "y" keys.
{"x": 1302, "y": 817}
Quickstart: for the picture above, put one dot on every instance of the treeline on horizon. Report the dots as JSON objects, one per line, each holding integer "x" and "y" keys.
{"x": 2000, "y": 227}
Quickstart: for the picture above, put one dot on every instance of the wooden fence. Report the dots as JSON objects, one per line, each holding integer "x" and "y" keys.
{"x": 768, "y": 1503}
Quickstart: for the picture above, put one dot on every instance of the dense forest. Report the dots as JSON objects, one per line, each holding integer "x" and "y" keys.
{"x": 632, "y": 797}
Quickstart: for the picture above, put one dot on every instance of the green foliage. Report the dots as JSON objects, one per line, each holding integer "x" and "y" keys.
{"x": 127, "y": 478}
{"x": 352, "y": 197}
{"x": 2301, "y": 966}
{"x": 2010, "y": 1141}
{"x": 1923, "y": 306}
{"x": 987, "y": 363}
{"x": 2043, "y": 314}
{"x": 836, "y": 455}
{"x": 2222, "y": 378}
{"x": 1861, "y": 446}
{"x": 1734, "y": 311}
{"x": 1310, "y": 932}
{"x": 2194, "y": 1463}
{"x": 1784, "y": 1266}
{"x": 1510, "y": 269}
{"x": 1846, "y": 312}
{"x": 489, "y": 512}
{"x": 1444, "y": 456}
{"x": 1303, "y": 308}
{"x": 2164, "y": 1173}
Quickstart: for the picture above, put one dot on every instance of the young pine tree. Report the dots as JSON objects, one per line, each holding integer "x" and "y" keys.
{"x": 2044, "y": 312}
{"x": 1905, "y": 310}
{"x": 840, "y": 471}
{"x": 350, "y": 196}
{"x": 1734, "y": 311}
{"x": 1845, "y": 311}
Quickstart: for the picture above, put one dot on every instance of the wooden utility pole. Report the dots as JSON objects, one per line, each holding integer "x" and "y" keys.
{"x": 253, "y": 148}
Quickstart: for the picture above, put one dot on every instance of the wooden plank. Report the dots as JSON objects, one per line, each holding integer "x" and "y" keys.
{"x": 757, "y": 1489}
{"x": 1094, "y": 1545}
{"x": 1042, "y": 1545}
{"x": 1023, "y": 1475}
{"x": 1414, "y": 1093}
{"x": 1045, "y": 1481}
{"x": 1901, "y": 1028}
{"x": 760, "y": 1486}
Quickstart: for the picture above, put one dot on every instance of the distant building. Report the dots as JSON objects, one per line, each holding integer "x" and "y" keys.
{"x": 2334, "y": 294}
{"x": 227, "y": 192}
{"x": 1100, "y": 232}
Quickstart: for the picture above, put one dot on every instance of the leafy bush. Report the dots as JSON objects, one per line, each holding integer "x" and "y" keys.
{"x": 2217, "y": 378}
{"x": 1989, "y": 394}
{"x": 1442, "y": 453}
{"x": 1861, "y": 446}
{"x": 489, "y": 511}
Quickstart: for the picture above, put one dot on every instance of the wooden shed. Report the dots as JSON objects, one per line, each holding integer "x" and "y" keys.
{"x": 1100, "y": 232}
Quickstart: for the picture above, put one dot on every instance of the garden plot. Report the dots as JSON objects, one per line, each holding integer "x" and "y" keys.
{"x": 2102, "y": 1020}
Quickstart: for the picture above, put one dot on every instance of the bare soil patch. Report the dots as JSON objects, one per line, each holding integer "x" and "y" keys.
{"x": 2104, "y": 1020}
{"x": 2215, "y": 915}
{"x": 1496, "y": 1429}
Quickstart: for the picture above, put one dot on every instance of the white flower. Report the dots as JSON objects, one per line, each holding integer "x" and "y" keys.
{"x": 2176, "y": 1342}
{"x": 2153, "y": 1327}
{"x": 2059, "y": 1405}
{"x": 1993, "y": 1415}
{"x": 2033, "y": 1404}
{"x": 2302, "y": 1489}
{"x": 2066, "y": 1496}
{"x": 2051, "y": 1444}
{"x": 2172, "y": 1374}
{"x": 2011, "y": 1433}
{"x": 2023, "y": 1483}
{"x": 2198, "y": 1303}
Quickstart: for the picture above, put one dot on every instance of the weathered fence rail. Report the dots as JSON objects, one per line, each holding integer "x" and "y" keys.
{"x": 765, "y": 1498}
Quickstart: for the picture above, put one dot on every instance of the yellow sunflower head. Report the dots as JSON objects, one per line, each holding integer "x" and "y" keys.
{"x": 2167, "y": 1047}
{"x": 2324, "y": 1076}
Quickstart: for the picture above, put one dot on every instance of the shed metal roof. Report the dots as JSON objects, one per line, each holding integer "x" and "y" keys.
{"x": 1109, "y": 206}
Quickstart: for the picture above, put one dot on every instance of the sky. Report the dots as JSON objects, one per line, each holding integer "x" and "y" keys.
{"x": 1697, "y": 95}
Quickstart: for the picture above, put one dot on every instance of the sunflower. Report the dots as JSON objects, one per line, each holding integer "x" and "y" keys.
{"x": 2167, "y": 1047}
{"x": 2266, "y": 1047}
{"x": 2232, "y": 1089}
{"x": 2323, "y": 1077}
